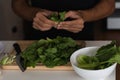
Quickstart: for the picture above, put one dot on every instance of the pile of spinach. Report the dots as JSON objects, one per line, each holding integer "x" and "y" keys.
{"x": 105, "y": 56}
{"x": 49, "y": 52}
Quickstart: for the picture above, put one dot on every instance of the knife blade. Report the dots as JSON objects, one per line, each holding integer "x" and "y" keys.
{"x": 19, "y": 59}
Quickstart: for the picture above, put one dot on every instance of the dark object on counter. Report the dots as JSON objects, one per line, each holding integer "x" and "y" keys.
{"x": 19, "y": 59}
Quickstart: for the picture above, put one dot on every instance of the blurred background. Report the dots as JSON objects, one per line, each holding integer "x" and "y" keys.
{"x": 11, "y": 26}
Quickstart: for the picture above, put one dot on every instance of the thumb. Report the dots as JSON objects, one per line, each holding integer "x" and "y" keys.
{"x": 47, "y": 12}
{"x": 71, "y": 14}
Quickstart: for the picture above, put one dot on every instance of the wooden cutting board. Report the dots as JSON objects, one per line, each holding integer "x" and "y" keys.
{"x": 24, "y": 45}
{"x": 67, "y": 67}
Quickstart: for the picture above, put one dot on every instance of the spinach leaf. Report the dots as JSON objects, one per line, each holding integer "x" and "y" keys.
{"x": 106, "y": 52}
{"x": 87, "y": 62}
{"x": 58, "y": 17}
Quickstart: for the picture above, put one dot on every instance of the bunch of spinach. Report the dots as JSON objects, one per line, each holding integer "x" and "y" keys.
{"x": 49, "y": 52}
{"x": 105, "y": 56}
{"x": 58, "y": 17}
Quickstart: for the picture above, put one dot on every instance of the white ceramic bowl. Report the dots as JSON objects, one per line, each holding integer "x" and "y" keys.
{"x": 90, "y": 74}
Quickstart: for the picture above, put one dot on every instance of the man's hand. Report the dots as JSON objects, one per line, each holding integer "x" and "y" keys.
{"x": 75, "y": 25}
{"x": 41, "y": 22}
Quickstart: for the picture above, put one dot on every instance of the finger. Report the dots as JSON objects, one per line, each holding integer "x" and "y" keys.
{"x": 40, "y": 23}
{"x": 73, "y": 22}
{"x": 73, "y": 30}
{"x": 68, "y": 14}
{"x": 45, "y": 20}
{"x": 71, "y": 14}
{"x": 41, "y": 27}
{"x": 75, "y": 27}
{"x": 47, "y": 12}
{"x": 36, "y": 21}
{"x": 35, "y": 26}
{"x": 43, "y": 12}
{"x": 70, "y": 24}
{"x": 71, "y": 27}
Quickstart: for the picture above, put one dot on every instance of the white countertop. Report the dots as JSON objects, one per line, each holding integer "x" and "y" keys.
{"x": 43, "y": 75}
{"x": 49, "y": 75}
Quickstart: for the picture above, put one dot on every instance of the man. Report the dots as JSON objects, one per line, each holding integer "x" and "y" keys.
{"x": 82, "y": 12}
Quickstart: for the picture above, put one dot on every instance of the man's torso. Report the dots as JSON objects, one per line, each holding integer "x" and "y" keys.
{"x": 60, "y": 5}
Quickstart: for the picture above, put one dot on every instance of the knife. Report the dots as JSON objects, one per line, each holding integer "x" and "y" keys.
{"x": 19, "y": 59}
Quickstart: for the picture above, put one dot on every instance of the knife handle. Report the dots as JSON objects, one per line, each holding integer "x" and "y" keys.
{"x": 17, "y": 48}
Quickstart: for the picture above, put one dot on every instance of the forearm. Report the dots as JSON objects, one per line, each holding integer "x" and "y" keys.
{"x": 23, "y": 9}
{"x": 101, "y": 10}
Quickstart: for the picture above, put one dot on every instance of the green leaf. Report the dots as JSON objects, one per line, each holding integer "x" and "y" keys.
{"x": 40, "y": 50}
{"x": 106, "y": 52}
{"x": 87, "y": 62}
{"x": 54, "y": 17}
{"x": 58, "y": 17}
{"x": 50, "y": 51}
{"x": 62, "y": 15}
{"x": 90, "y": 66}
{"x": 115, "y": 59}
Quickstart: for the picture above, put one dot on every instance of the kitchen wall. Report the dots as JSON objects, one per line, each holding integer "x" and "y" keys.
{"x": 110, "y": 28}
{"x": 102, "y": 33}
{"x": 10, "y": 24}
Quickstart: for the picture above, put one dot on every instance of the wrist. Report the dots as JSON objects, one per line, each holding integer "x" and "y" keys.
{"x": 35, "y": 11}
{"x": 81, "y": 14}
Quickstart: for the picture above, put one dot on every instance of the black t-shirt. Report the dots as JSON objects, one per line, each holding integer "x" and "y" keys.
{"x": 63, "y": 5}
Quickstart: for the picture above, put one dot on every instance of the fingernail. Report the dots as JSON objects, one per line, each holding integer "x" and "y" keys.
{"x": 56, "y": 23}
{"x": 59, "y": 25}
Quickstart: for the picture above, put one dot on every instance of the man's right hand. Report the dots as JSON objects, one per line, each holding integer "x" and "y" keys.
{"x": 41, "y": 22}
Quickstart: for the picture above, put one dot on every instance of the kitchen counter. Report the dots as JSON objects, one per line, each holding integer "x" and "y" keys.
{"x": 54, "y": 75}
